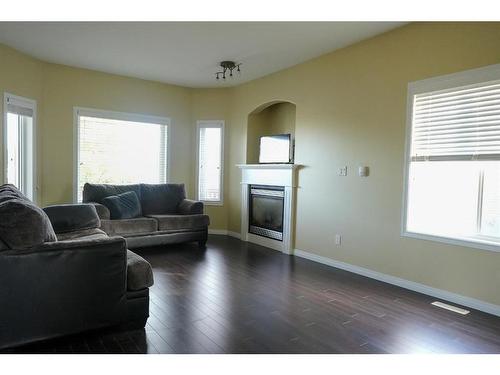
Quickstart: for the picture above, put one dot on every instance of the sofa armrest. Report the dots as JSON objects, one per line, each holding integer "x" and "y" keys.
{"x": 70, "y": 217}
{"x": 109, "y": 243}
{"x": 102, "y": 210}
{"x": 190, "y": 207}
{"x": 61, "y": 288}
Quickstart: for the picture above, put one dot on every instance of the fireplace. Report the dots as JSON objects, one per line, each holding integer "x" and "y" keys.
{"x": 267, "y": 199}
{"x": 265, "y": 214}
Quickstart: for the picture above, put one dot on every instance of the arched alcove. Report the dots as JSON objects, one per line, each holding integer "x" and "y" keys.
{"x": 277, "y": 117}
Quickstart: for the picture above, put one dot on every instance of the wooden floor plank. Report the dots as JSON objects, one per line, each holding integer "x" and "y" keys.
{"x": 236, "y": 297}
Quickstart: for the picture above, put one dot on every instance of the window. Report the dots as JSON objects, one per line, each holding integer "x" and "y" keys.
{"x": 119, "y": 148}
{"x": 453, "y": 161}
{"x": 19, "y": 143}
{"x": 210, "y": 161}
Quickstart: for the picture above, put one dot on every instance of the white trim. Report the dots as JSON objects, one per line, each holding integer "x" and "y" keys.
{"x": 210, "y": 124}
{"x": 31, "y": 104}
{"x": 220, "y": 232}
{"x": 475, "y": 243}
{"x": 225, "y": 232}
{"x": 268, "y": 166}
{"x": 124, "y": 116}
{"x": 464, "y": 78}
{"x": 403, "y": 283}
{"x": 137, "y": 117}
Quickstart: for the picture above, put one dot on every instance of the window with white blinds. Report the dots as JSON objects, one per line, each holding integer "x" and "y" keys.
{"x": 453, "y": 163}
{"x": 210, "y": 161}
{"x": 457, "y": 124}
{"x": 19, "y": 143}
{"x": 119, "y": 148}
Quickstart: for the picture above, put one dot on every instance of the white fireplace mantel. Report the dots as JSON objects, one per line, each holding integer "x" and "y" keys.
{"x": 283, "y": 175}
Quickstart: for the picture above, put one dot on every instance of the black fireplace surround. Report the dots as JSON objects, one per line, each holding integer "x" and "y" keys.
{"x": 266, "y": 211}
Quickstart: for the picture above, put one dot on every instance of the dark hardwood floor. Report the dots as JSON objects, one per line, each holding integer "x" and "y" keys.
{"x": 236, "y": 297}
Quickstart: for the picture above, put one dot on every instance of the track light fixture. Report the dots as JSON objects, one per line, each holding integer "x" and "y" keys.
{"x": 227, "y": 66}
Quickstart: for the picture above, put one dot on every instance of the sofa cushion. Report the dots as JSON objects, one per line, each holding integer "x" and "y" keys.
{"x": 72, "y": 217}
{"x": 82, "y": 235}
{"x": 123, "y": 206}
{"x": 129, "y": 227}
{"x": 24, "y": 225}
{"x": 97, "y": 192}
{"x": 158, "y": 199}
{"x": 181, "y": 222}
{"x": 139, "y": 272}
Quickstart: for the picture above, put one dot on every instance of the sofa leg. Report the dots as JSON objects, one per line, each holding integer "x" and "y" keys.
{"x": 203, "y": 242}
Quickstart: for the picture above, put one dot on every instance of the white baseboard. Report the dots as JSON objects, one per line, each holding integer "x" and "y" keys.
{"x": 411, "y": 285}
{"x": 225, "y": 232}
{"x": 234, "y": 234}
{"x": 222, "y": 232}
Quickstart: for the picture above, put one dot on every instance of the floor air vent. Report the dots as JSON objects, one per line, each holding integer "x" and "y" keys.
{"x": 455, "y": 309}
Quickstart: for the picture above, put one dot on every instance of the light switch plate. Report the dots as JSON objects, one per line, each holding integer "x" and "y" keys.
{"x": 343, "y": 171}
{"x": 338, "y": 239}
{"x": 363, "y": 171}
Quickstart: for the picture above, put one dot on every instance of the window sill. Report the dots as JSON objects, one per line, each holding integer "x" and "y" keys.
{"x": 472, "y": 242}
{"x": 211, "y": 203}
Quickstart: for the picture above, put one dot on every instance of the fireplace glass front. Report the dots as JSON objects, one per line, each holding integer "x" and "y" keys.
{"x": 266, "y": 211}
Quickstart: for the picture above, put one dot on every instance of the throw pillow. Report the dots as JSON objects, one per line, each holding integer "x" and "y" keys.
{"x": 123, "y": 206}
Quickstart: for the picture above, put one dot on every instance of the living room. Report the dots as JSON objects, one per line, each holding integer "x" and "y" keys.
{"x": 275, "y": 187}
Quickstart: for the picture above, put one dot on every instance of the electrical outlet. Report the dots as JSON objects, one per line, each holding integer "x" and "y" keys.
{"x": 343, "y": 171}
{"x": 338, "y": 239}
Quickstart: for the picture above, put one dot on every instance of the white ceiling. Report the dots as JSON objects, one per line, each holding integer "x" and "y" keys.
{"x": 184, "y": 53}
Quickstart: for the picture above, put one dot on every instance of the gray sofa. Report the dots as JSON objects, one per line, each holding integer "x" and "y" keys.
{"x": 60, "y": 274}
{"x": 164, "y": 215}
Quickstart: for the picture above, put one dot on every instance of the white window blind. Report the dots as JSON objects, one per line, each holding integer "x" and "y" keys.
{"x": 120, "y": 151}
{"x": 453, "y": 170}
{"x": 210, "y": 150}
{"x": 457, "y": 124}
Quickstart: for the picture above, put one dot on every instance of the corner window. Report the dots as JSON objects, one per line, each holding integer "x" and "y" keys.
{"x": 453, "y": 160}
{"x": 210, "y": 140}
{"x": 119, "y": 148}
{"x": 19, "y": 143}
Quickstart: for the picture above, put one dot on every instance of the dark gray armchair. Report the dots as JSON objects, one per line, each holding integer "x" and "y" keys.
{"x": 76, "y": 279}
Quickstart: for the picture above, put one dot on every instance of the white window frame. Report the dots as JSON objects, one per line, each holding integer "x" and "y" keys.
{"x": 210, "y": 124}
{"x": 449, "y": 81}
{"x": 113, "y": 115}
{"x": 29, "y": 104}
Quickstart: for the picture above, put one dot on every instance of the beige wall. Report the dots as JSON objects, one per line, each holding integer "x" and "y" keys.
{"x": 65, "y": 88}
{"x": 278, "y": 118}
{"x": 58, "y": 89}
{"x": 351, "y": 110}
